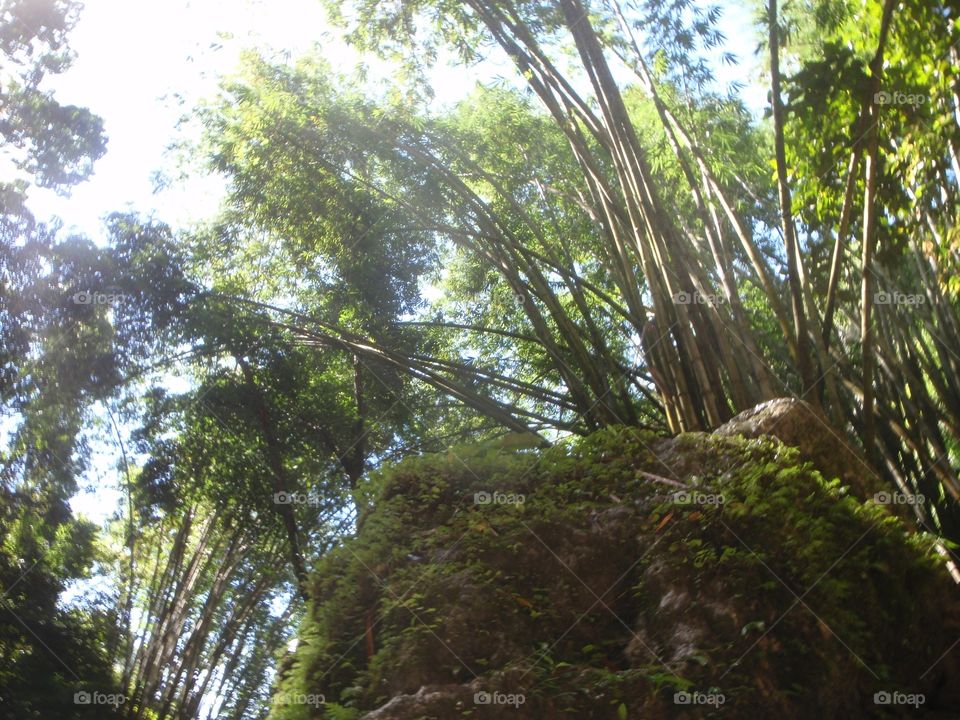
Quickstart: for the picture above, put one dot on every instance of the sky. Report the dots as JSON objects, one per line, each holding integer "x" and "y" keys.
{"x": 142, "y": 64}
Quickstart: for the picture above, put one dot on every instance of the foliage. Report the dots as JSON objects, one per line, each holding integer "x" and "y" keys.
{"x": 604, "y": 241}
{"x": 53, "y": 363}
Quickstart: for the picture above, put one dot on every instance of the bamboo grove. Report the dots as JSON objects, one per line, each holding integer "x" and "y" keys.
{"x": 679, "y": 259}
{"x": 596, "y": 234}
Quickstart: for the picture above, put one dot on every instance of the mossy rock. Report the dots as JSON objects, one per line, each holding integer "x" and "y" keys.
{"x": 638, "y": 573}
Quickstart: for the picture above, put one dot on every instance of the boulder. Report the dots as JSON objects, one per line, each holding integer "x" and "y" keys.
{"x": 625, "y": 575}
{"x": 798, "y": 424}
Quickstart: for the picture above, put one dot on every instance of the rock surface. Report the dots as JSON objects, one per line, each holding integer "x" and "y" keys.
{"x": 796, "y": 423}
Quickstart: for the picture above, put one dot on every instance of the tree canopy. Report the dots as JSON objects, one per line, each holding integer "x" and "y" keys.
{"x": 605, "y": 238}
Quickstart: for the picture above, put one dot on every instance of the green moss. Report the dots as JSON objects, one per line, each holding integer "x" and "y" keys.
{"x": 788, "y": 574}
